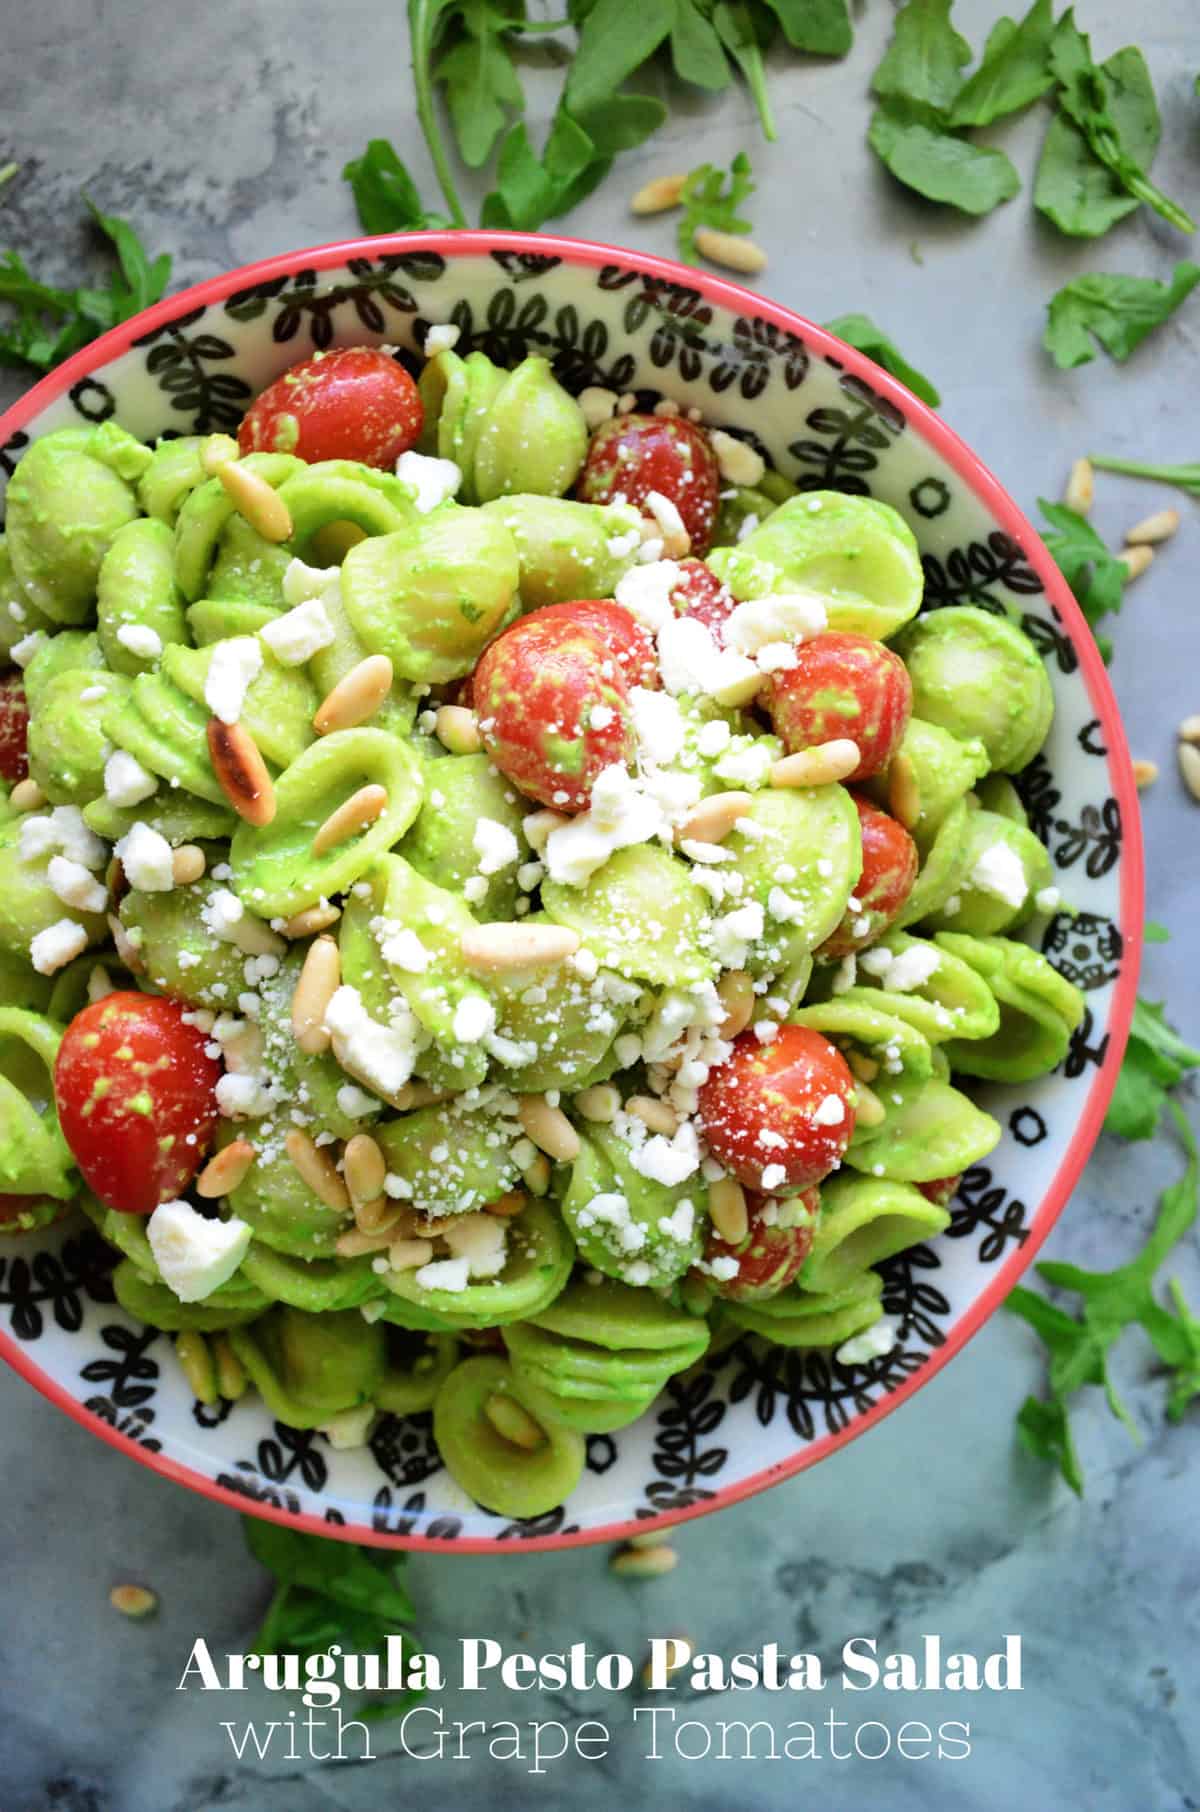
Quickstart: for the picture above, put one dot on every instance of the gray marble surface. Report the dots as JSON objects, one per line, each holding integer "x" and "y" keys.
{"x": 222, "y": 130}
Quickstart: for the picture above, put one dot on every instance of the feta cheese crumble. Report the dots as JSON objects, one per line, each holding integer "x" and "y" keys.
{"x": 146, "y": 857}
{"x": 433, "y": 480}
{"x": 195, "y": 1255}
{"x": 126, "y": 781}
{"x": 141, "y": 640}
{"x": 1000, "y": 871}
{"x": 236, "y": 663}
{"x": 299, "y": 633}
{"x": 56, "y": 946}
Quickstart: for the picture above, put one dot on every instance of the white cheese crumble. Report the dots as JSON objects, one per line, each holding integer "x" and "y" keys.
{"x": 646, "y": 593}
{"x": 621, "y": 813}
{"x": 64, "y": 829}
{"x": 433, "y": 480}
{"x": 749, "y": 766}
{"x": 474, "y": 1019}
{"x": 141, "y": 640}
{"x": 668, "y": 1161}
{"x": 737, "y": 463}
{"x": 872, "y": 1344}
{"x": 690, "y": 662}
{"x": 380, "y": 1055}
{"x": 901, "y": 972}
{"x": 56, "y": 946}
{"x": 146, "y": 857}
{"x": 23, "y": 651}
{"x": 480, "y": 1239}
{"x": 444, "y": 1274}
{"x": 75, "y": 885}
{"x": 1000, "y": 871}
{"x": 355, "y": 1102}
{"x": 195, "y": 1256}
{"x": 830, "y": 1112}
{"x": 126, "y": 781}
{"x": 733, "y": 934}
{"x": 299, "y": 633}
{"x": 443, "y": 337}
{"x": 1047, "y": 899}
{"x": 786, "y": 617}
{"x": 401, "y": 947}
{"x": 495, "y": 846}
{"x": 236, "y": 663}
{"x": 657, "y": 724}
{"x": 301, "y": 582}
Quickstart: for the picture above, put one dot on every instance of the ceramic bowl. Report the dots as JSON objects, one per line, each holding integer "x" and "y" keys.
{"x": 827, "y": 418}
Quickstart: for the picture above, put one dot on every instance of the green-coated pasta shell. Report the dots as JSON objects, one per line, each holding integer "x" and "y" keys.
{"x": 533, "y": 437}
{"x": 943, "y": 866}
{"x": 864, "y": 1220}
{"x": 813, "y": 835}
{"x": 341, "y": 490}
{"x": 540, "y": 1256}
{"x": 943, "y": 767}
{"x": 309, "y": 1368}
{"x": 453, "y": 1158}
{"x": 203, "y": 516}
{"x": 166, "y": 731}
{"x": 859, "y": 1017}
{"x": 641, "y": 913}
{"x": 136, "y": 588}
{"x": 159, "y": 1307}
{"x": 63, "y": 508}
{"x": 494, "y": 1471}
{"x": 212, "y": 619}
{"x": 979, "y": 909}
{"x": 174, "y": 470}
{"x": 315, "y": 1284}
{"x": 247, "y": 567}
{"x": 28, "y": 904}
{"x": 460, "y": 791}
{"x": 417, "y": 1365}
{"x": 279, "y": 705}
{"x": 67, "y": 743}
{"x": 978, "y": 675}
{"x": 568, "y": 550}
{"x": 931, "y": 1131}
{"x": 953, "y": 1002}
{"x": 34, "y": 1156}
{"x": 1039, "y": 1009}
{"x": 613, "y": 1238}
{"x": 69, "y": 651}
{"x": 807, "y": 1318}
{"x": 178, "y": 816}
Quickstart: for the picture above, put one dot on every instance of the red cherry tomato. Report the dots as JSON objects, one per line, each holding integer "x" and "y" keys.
{"x": 942, "y": 1190}
{"x": 14, "y": 728}
{"x": 632, "y": 455}
{"x": 12, "y": 1207}
{"x": 888, "y": 872}
{"x": 700, "y": 594}
{"x": 136, "y": 1099}
{"x": 843, "y": 685}
{"x": 784, "y": 1107}
{"x": 550, "y": 717}
{"x": 353, "y": 403}
{"x": 631, "y": 646}
{"x": 771, "y": 1255}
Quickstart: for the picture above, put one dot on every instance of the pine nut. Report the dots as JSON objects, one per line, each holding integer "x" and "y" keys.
{"x": 383, "y": 1215}
{"x": 418, "y": 1094}
{"x": 409, "y": 1254}
{"x": 653, "y": 1538}
{"x": 241, "y": 772}
{"x": 712, "y": 820}
{"x": 359, "y": 811}
{"x": 659, "y": 194}
{"x": 222, "y": 1174}
{"x": 507, "y": 1207}
{"x": 737, "y": 462}
{"x": 653, "y": 1114}
{"x": 1081, "y": 487}
{"x": 1153, "y": 529}
{"x": 316, "y": 986}
{"x": 133, "y": 1600}
{"x": 868, "y": 1108}
{"x": 496, "y": 949}
{"x": 598, "y": 1103}
{"x": 1145, "y": 773}
{"x": 1189, "y": 729}
{"x": 231, "y": 1376}
{"x": 728, "y": 249}
{"x": 316, "y": 1168}
{"x": 536, "y": 1175}
{"x": 216, "y": 451}
{"x": 676, "y": 541}
{"x": 904, "y": 795}
{"x": 313, "y": 918}
{"x": 644, "y": 1563}
{"x": 356, "y": 1242}
{"x": 195, "y": 1362}
{"x": 539, "y": 825}
{"x": 26, "y": 796}
{"x": 598, "y": 405}
{"x": 549, "y": 1127}
{"x": 736, "y": 991}
{"x": 356, "y": 697}
{"x": 187, "y": 864}
{"x": 864, "y": 1067}
{"x": 1135, "y": 560}
{"x": 818, "y": 766}
{"x": 263, "y": 508}
{"x": 364, "y": 1169}
{"x": 727, "y": 1210}
{"x": 1189, "y": 767}
{"x": 457, "y": 729}
{"x": 513, "y": 1422}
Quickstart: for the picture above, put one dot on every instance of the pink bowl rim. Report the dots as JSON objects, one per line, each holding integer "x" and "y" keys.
{"x": 987, "y": 488}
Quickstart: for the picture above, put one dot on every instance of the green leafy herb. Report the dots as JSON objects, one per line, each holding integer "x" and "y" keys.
{"x": 1154, "y": 933}
{"x": 385, "y": 194}
{"x": 1094, "y": 573}
{"x": 819, "y": 28}
{"x": 1156, "y": 1060}
{"x": 911, "y": 140}
{"x": 46, "y": 325}
{"x": 1112, "y": 1301}
{"x": 1013, "y": 71}
{"x": 738, "y": 28}
{"x": 708, "y": 202}
{"x": 925, "y": 59}
{"x": 861, "y": 332}
{"x": 475, "y": 68}
{"x": 425, "y": 20}
{"x": 331, "y": 1591}
{"x": 529, "y": 189}
{"x": 1184, "y": 478}
{"x": 1119, "y": 311}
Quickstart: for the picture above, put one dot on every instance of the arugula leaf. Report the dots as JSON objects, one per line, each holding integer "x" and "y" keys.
{"x": 385, "y": 194}
{"x": 1013, "y": 71}
{"x": 861, "y": 332}
{"x": 1177, "y": 1343}
{"x": 1184, "y": 478}
{"x": 819, "y": 28}
{"x": 925, "y": 58}
{"x": 49, "y": 324}
{"x": 1154, "y": 933}
{"x": 614, "y": 40}
{"x": 425, "y": 20}
{"x": 736, "y": 30}
{"x": 1079, "y": 194}
{"x": 706, "y": 202}
{"x": 696, "y": 50}
{"x": 1044, "y": 1429}
{"x": 910, "y": 139}
{"x": 1090, "y": 568}
{"x": 529, "y": 189}
{"x": 1156, "y": 1059}
{"x": 1119, "y": 311}
{"x": 475, "y": 68}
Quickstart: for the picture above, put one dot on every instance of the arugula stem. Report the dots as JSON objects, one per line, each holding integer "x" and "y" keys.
{"x": 1185, "y": 478}
{"x": 756, "y": 81}
{"x": 421, "y": 16}
{"x": 1144, "y": 189}
{"x": 8, "y": 172}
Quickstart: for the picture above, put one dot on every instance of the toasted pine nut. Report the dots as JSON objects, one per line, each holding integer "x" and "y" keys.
{"x": 241, "y": 771}
{"x": 457, "y": 729}
{"x": 216, "y": 451}
{"x": 133, "y": 1600}
{"x": 356, "y": 1242}
{"x": 1135, "y": 560}
{"x": 904, "y": 795}
{"x": 359, "y": 811}
{"x": 659, "y": 194}
{"x": 549, "y": 1127}
{"x": 222, "y": 1174}
{"x": 418, "y": 1094}
{"x": 1189, "y": 767}
{"x": 513, "y": 1422}
{"x": 728, "y": 249}
{"x": 536, "y": 1176}
{"x": 864, "y": 1067}
{"x": 819, "y": 765}
{"x": 409, "y": 1254}
{"x": 263, "y": 508}
{"x": 727, "y": 1210}
{"x": 1153, "y": 529}
{"x": 313, "y": 918}
{"x": 1081, "y": 487}
{"x": 654, "y": 1114}
{"x": 868, "y": 1108}
{"x": 231, "y": 1376}
{"x": 316, "y": 986}
{"x": 195, "y": 1362}
{"x": 316, "y": 1167}
{"x": 364, "y": 1168}
{"x": 644, "y": 1563}
{"x": 598, "y": 1103}
{"x": 538, "y": 826}
{"x": 1189, "y": 729}
{"x": 26, "y": 796}
{"x": 356, "y": 697}
{"x": 712, "y": 820}
{"x": 736, "y": 990}
{"x": 676, "y": 541}
{"x": 507, "y": 1207}
{"x": 187, "y": 864}
{"x": 738, "y": 462}
{"x": 1145, "y": 773}
{"x": 496, "y": 949}
{"x": 598, "y": 405}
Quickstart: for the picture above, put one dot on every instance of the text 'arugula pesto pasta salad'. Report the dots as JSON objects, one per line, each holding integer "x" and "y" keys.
{"x": 497, "y": 894}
